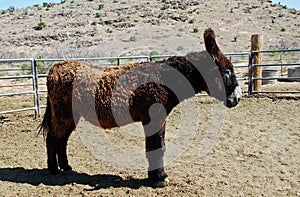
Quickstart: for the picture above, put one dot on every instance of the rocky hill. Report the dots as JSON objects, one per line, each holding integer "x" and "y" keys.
{"x": 90, "y": 28}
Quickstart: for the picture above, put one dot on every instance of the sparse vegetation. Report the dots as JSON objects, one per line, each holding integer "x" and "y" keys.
{"x": 45, "y": 4}
{"x": 191, "y": 21}
{"x": 100, "y": 19}
{"x": 180, "y": 48}
{"x": 113, "y": 61}
{"x": 235, "y": 39}
{"x": 40, "y": 26}
{"x": 153, "y": 53}
{"x": 160, "y": 15}
{"x": 132, "y": 38}
{"x": 122, "y": 19}
{"x": 98, "y": 15}
{"x": 100, "y": 6}
{"x": 108, "y": 30}
{"x": 192, "y": 11}
{"x": 247, "y": 11}
{"x": 165, "y": 7}
{"x": 195, "y": 30}
{"x": 11, "y": 8}
{"x": 4, "y": 11}
{"x": 293, "y": 11}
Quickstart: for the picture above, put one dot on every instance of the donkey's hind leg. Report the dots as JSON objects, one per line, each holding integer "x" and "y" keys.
{"x": 56, "y": 142}
{"x": 51, "y": 142}
{"x": 62, "y": 149}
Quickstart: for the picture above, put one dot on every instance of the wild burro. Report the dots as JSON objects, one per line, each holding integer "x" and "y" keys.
{"x": 124, "y": 94}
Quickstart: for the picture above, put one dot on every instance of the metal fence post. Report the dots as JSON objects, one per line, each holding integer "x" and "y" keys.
{"x": 250, "y": 74}
{"x": 150, "y": 59}
{"x": 36, "y": 89}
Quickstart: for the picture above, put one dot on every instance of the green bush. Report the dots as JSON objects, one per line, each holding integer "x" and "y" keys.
{"x": 165, "y": 7}
{"x": 98, "y": 15}
{"x": 195, "y": 30}
{"x": 293, "y": 11}
{"x": 152, "y": 53}
{"x": 160, "y": 15}
{"x": 191, "y": 21}
{"x": 40, "y": 26}
{"x": 100, "y": 6}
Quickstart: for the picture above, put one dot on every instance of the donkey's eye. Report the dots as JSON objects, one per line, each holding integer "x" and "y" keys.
{"x": 227, "y": 72}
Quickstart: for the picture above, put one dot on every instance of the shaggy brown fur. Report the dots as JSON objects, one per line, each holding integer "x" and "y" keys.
{"x": 76, "y": 89}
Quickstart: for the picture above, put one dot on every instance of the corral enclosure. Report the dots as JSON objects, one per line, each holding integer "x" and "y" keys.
{"x": 256, "y": 151}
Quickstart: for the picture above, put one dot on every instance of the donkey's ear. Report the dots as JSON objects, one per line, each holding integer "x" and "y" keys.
{"x": 209, "y": 34}
{"x": 213, "y": 49}
{"x": 211, "y": 44}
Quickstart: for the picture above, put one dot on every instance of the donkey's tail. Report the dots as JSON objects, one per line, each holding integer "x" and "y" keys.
{"x": 45, "y": 126}
{"x": 211, "y": 44}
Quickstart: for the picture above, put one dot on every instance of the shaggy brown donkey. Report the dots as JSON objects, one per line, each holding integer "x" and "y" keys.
{"x": 121, "y": 95}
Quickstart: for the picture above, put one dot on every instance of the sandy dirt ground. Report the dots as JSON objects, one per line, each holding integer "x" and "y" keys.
{"x": 255, "y": 152}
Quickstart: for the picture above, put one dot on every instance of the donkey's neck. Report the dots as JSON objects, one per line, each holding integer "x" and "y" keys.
{"x": 189, "y": 72}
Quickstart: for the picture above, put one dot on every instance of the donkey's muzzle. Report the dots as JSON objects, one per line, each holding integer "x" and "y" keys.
{"x": 234, "y": 98}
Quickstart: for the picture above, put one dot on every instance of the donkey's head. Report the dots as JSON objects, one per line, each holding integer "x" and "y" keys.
{"x": 225, "y": 67}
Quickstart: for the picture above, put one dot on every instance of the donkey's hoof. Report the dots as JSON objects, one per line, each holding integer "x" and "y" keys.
{"x": 161, "y": 184}
{"x": 66, "y": 168}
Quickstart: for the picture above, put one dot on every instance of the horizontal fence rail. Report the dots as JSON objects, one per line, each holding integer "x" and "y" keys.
{"x": 283, "y": 64}
{"x": 242, "y": 61}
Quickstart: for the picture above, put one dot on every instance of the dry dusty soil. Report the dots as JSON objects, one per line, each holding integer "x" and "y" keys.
{"x": 250, "y": 150}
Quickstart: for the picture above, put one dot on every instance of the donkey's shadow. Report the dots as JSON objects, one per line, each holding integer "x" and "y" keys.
{"x": 42, "y": 176}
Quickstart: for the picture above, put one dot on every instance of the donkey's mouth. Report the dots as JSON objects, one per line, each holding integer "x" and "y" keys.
{"x": 234, "y": 98}
{"x": 232, "y": 102}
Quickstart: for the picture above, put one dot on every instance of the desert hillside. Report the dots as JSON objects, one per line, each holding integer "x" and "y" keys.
{"x": 89, "y": 28}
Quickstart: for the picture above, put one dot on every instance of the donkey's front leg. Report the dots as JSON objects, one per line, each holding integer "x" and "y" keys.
{"x": 155, "y": 148}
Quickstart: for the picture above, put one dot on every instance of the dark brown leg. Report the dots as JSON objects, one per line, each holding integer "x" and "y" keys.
{"x": 155, "y": 148}
{"x": 51, "y": 143}
{"x": 62, "y": 154}
{"x": 57, "y": 150}
{"x": 62, "y": 149}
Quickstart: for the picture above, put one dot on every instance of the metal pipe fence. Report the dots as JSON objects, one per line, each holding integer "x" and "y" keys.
{"x": 242, "y": 61}
{"x": 31, "y": 76}
{"x": 281, "y": 62}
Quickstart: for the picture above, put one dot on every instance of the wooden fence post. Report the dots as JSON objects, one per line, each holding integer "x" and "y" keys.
{"x": 256, "y": 45}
